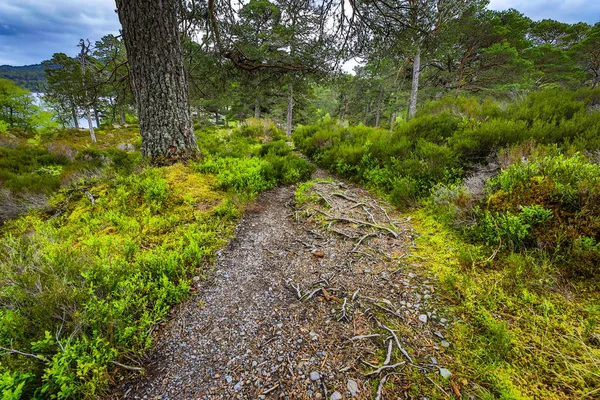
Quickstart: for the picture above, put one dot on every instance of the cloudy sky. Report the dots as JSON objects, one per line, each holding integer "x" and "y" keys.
{"x": 32, "y": 30}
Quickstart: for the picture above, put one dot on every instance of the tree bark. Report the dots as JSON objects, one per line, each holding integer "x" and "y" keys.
{"x": 378, "y": 113}
{"x": 153, "y": 44}
{"x": 290, "y": 111}
{"x": 414, "y": 91}
{"x": 257, "y": 108}
{"x": 75, "y": 119}
{"x": 97, "y": 117}
{"x": 344, "y": 108}
{"x": 122, "y": 118}
{"x": 367, "y": 110}
{"x": 91, "y": 125}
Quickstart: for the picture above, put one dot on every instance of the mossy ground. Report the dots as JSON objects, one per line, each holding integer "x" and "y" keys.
{"x": 522, "y": 332}
{"x": 109, "y": 271}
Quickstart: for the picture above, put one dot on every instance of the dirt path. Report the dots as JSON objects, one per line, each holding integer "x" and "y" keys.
{"x": 246, "y": 334}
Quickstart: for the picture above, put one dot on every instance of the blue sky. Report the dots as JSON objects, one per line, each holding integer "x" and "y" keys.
{"x": 32, "y": 30}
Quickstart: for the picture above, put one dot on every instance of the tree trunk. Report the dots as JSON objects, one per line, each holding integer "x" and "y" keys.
{"x": 392, "y": 122}
{"x": 367, "y": 110}
{"x": 378, "y": 113}
{"x": 97, "y": 117}
{"x": 257, "y": 108}
{"x": 91, "y": 125}
{"x": 344, "y": 108}
{"x": 75, "y": 119}
{"x": 290, "y": 112}
{"x": 122, "y": 116}
{"x": 152, "y": 41}
{"x": 414, "y": 91}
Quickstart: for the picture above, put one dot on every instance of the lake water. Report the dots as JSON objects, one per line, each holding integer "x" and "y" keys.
{"x": 38, "y": 100}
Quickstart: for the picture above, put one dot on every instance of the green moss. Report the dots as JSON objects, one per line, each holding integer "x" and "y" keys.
{"x": 519, "y": 332}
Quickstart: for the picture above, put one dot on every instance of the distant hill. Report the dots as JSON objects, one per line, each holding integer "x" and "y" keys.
{"x": 27, "y": 76}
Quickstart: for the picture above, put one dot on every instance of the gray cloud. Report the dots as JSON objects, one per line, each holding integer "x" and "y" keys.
{"x": 32, "y": 30}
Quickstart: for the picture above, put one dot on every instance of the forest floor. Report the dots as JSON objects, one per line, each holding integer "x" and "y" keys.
{"x": 315, "y": 298}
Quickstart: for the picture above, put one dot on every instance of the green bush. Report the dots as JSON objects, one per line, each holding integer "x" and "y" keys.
{"x": 81, "y": 290}
{"x": 239, "y": 174}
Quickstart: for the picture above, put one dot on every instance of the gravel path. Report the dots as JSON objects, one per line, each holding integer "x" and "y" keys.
{"x": 246, "y": 334}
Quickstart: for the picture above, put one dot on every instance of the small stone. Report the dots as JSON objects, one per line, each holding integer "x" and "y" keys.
{"x": 445, "y": 373}
{"x": 314, "y": 376}
{"x": 352, "y": 387}
{"x": 438, "y": 334}
{"x": 336, "y": 396}
{"x": 229, "y": 379}
{"x": 318, "y": 396}
{"x": 196, "y": 278}
{"x": 423, "y": 318}
{"x": 238, "y": 386}
{"x": 445, "y": 343}
{"x": 433, "y": 360}
{"x": 411, "y": 275}
{"x": 254, "y": 364}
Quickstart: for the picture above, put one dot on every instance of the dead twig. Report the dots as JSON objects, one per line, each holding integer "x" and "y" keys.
{"x": 344, "y": 315}
{"x": 306, "y": 298}
{"x": 384, "y": 367}
{"x": 397, "y": 342}
{"x": 270, "y": 390}
{"x": 323, "y": 197}
{"x": 361, "y": 240}
{"x": 21, "y": 353}
{"x": 297, "y": 289}
{"x": 437, "y": 386}
{"x": 360, "y": 337}
{"x": 359, "y": 222}
{"x": 343, "y": 196}
{"x": 380, "y": 387}
{"x": 388, "y": 358}
{"x": 126, "y": 366}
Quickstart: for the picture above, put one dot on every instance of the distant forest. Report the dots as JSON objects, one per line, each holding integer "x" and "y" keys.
{"x": 27, "y": 76}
